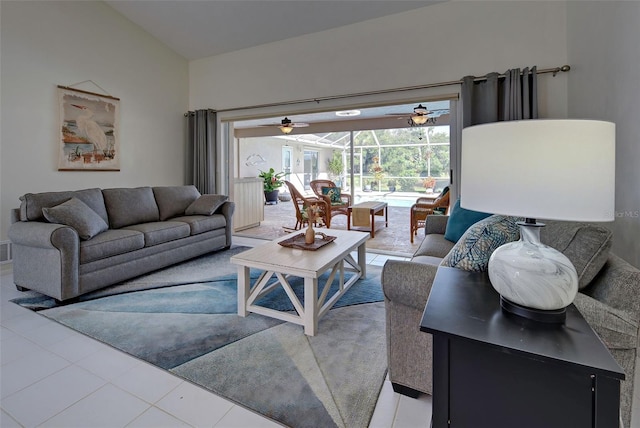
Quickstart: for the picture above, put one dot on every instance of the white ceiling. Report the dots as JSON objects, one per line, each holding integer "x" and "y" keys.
{"x": 198, "y": 29}
{"x": 402, "y": 112}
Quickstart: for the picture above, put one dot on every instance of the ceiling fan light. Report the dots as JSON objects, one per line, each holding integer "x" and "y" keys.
{"x": 419, "y": 119}
{"x": 286, "y": 129}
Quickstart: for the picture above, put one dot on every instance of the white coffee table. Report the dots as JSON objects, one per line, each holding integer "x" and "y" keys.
{"x": 278, "y": 263}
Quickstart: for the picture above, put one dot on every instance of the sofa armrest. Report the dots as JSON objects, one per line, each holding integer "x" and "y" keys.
{"x": 617, "y": 285}
{"x": 46, "y": 258}
{"x": 44, "y": 235}
{"x": 617, "y": 328}
{"x": 408, "y": 283}
{"x": 227, "y": 210}
{"x": 436, "y": 224}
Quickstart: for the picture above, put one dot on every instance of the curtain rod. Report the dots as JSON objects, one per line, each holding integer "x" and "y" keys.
{"x": 554, "y": 70}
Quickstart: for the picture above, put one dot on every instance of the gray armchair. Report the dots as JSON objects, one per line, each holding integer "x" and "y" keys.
{"x": 406, "y": 286}
{"x": 609, "y": 300}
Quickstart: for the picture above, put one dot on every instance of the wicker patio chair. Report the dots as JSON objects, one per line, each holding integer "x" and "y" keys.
{"x": 301, "y": 203}
{"x": 425, "y": 206}
{"x": 338, "y": 202}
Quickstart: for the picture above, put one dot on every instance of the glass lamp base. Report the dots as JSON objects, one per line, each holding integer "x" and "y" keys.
{"x": 554, "y": 316}
{"x": 531, "y": 274}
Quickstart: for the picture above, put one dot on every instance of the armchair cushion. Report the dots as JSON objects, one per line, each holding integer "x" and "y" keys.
{"x": 78, "y": 215}
{"x": 473, "y": 250}
{"x": 460, "y": 220}
{"x": 334, "y": 195}
{"x": 206, "y": 205}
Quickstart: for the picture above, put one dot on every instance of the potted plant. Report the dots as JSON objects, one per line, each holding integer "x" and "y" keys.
{"x": 429, "y": 183}
{"x": 272, "y": 182}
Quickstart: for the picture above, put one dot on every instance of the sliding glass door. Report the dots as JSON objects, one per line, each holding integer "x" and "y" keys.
{"x": 310, "y": 167}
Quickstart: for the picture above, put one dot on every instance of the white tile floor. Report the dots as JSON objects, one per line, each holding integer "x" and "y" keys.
{"x": 52, "y": 376}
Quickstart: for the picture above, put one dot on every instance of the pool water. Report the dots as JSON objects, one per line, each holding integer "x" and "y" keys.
{"x": 394, "y": 199}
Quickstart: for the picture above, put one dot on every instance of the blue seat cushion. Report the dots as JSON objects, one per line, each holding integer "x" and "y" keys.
{"x": 333, "y": 193}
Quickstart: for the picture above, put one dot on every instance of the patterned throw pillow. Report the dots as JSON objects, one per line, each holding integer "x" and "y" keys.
{"x": 476, "y": 245}
{"x": 333, "y": 193}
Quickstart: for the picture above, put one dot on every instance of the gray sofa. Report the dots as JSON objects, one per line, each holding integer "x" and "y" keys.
{"x": 69, "y": 243}
{"x": 609, "y": 300}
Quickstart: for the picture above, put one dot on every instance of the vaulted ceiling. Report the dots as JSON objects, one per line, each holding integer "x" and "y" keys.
{"x": 198, "y": 29}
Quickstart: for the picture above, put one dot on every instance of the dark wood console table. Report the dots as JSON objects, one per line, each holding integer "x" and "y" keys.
{"x": 492, "y": 369}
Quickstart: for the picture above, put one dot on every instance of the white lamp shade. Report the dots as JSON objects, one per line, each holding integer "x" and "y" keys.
{"x": 546, "y": 169}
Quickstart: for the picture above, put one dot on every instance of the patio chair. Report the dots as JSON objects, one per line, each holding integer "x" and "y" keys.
{"x": 426, "y": 206}
{"x": 330, "y": 193}
{"x": 301, "y": 203}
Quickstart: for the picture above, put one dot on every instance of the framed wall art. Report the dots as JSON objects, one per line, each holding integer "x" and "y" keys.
{"x": 89, "y": 125}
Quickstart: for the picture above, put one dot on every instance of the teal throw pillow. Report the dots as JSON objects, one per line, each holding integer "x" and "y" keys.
{"x": 473, "y": 250}
{"x": 333, "y": 193}
{"x": 460, "y": 220}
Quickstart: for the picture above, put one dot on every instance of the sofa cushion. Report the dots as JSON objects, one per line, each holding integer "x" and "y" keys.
{"x": 78, "y": 215}
{"x": 460, "y": 220}
{"x": 130, "y": 206}
{"x": 173, "y": 200}
{"x": 201, "y": 223}
{"x": 206, "y": 205}
{"x": 434, "y": 245}
{"x": 585, "y": 245}
{"x": 110, "y": 243}
{"x": 473, "y": 250}
{"x": 32, "y": 203}
{"x": 163, "y": 231}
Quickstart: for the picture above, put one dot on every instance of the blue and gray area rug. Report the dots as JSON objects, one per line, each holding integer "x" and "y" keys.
{"x": 183, "y": 319}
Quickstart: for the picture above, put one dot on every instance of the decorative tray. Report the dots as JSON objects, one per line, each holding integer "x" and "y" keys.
{"x": 297, "y": 241}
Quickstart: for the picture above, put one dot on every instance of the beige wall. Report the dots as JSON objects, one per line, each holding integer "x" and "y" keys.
{"x": 45, "y": 44}
{"x": 438, "y": 43}
{"x": 604, "y": 51}
{"x": 270, "y": 149}
{"x": 49, "y": 43}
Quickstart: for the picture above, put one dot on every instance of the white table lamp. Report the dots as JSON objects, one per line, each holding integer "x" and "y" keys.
{"x": 549, "y": 169}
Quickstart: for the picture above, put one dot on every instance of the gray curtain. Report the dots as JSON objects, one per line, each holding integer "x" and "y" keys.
{"x": 201, "y": 150}
{"x": 495, "y": 98}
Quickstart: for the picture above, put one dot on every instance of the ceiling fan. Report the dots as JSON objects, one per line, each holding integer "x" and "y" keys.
{"x": 286, "y": 125}
{"x": 420, "y": 116}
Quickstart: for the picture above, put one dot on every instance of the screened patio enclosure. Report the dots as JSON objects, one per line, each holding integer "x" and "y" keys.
{"x": 387, "y": 154}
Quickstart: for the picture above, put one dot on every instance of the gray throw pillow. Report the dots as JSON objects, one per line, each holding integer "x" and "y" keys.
{"x": 76, "y": 214}
{"x": 206, "y": 205}
{"x": 586, "y": 245}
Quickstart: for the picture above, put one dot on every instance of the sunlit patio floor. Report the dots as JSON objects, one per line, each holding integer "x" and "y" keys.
{"x": 394, "y": 239}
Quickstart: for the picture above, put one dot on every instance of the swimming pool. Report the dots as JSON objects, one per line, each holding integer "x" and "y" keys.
{"x": 393, "y": 199}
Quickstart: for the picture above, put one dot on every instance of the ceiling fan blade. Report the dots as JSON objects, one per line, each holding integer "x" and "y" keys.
{"x": 292, "y": 124}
